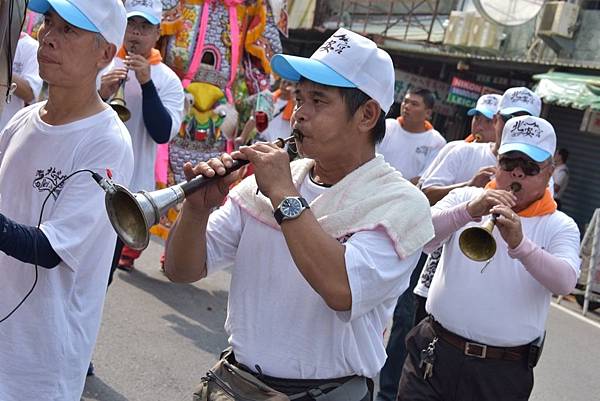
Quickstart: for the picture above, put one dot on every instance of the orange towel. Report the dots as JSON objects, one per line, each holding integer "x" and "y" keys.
{"x": 154, "y": 58}
{"x": 544, "y": 205}
{"x": 426, "y": 126}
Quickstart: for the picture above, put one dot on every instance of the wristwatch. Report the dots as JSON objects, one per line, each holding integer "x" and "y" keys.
{"x": 290, "y": 208}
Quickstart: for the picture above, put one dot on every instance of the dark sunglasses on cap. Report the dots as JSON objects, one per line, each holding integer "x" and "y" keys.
{"x": 506, "y": 117}
{"x": 529, "y": 167}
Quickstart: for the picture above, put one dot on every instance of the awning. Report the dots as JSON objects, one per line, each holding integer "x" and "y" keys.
{"x": 570, "y": 90}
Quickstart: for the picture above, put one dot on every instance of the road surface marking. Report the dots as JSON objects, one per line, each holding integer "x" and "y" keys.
{"x": 575, "y": 314}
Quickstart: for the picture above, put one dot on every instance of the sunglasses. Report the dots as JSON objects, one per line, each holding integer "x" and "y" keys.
{"x": 506, "y": 117}
{"x": 528, "y": 167}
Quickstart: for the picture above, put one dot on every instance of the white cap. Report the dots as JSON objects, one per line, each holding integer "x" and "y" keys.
{"x": 520, "y": 100}
{"x": 106, "y": 17}
{"x": 346, "y": 60}
{"x": 486, "y": 105}
{"x": 533, "y": 136}
{"x": 151, "y": 10}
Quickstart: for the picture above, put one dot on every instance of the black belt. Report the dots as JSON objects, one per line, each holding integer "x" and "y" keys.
{"x": 477, "y": 350}
{"x": 293, "y": 386}
{"x": 312, "y": 389}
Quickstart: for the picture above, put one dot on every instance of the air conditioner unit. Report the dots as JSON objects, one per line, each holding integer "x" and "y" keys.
{"x": 558, "y": 18}
{"x": 484, "y": 35}
{"x": 459, "y": 28}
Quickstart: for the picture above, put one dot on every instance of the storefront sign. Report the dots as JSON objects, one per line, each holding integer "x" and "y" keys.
{"x": 406, "y": 80}
{"x": 485, "y": 79}
{"x": 464, "y": 93}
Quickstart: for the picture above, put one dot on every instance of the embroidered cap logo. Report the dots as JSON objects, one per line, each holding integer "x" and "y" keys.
{"x": 144, "y": 3}
{"x": 525, "y": 128}
{"x": 521, "y": 96}
{"x": 492, "y": 101}
{"x": 337, "y": 44}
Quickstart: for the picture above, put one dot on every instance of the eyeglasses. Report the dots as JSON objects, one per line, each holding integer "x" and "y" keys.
{"x": 528, "y": 167}
{"x": 144, "y": 28}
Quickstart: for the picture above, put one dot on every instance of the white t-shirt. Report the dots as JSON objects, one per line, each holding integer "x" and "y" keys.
{"x": 276, "y": 319}
{"x": 46, "y": 345}
{"x": 408, "y": 152}
{"x": 457, "y": 162}
{"x": 561, "y": 178}
{"x": 504, "y": 305}
{"x": 171, "y": 95}
{"x": 25, "y": 65}
{"x": 278, "y": 127}
{"x": 461, "y": 163}
{"x": 439, "y": 158}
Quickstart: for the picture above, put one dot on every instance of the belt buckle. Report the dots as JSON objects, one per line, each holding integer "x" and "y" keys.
{"x": 476, "y": 350}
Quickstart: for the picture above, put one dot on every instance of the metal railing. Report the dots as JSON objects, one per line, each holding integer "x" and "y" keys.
{"x": 406, "y": 20}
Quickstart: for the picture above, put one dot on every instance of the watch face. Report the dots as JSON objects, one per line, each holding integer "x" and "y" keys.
{"x": 291, "y": 207}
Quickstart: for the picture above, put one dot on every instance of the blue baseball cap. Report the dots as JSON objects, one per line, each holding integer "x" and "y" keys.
{"x": 106, "y": 17}
{"x": 68, "y": 11}
{"x": 486, "y": 105}
{"x": 293, "y": 68}
{"x": 345, "y": 60}
{"x": 530, "y": 135}
{"x": 520, "y": 100}
{"x": 151, "y": 10}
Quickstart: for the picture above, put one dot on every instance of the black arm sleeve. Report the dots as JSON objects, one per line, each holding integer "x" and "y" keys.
{"x": 156, "y": 117}
{"x": 17, "y": 240}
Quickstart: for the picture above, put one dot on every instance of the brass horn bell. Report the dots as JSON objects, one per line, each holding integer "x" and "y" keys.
{"x": 118, "y": 103}
{"x": 478, "y": 243}
{"x": 132, "y": 214}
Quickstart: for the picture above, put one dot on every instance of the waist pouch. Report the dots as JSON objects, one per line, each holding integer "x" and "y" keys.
{"x": 227, "y": 382}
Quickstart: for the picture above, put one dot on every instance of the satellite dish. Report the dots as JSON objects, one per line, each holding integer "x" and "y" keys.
{"x": 509, "y": 12}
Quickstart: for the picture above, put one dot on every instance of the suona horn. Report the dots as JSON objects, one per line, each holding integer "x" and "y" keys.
{"x": 478, "y": 243}
{"x": 132, "y": 214}
{"x": 117, "y": 102}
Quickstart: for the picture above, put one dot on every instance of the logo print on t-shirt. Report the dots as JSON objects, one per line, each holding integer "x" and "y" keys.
{"x": 337, "y": 44}
{"x": 529, "y": 129}
{"x": 424, "y": 150}
{"x": 18, "y": 67}
{"x": 48, "y": 180}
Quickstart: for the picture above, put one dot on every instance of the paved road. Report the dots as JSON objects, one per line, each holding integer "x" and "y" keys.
{"x": 157, "y": 339}
{"x": 570, "y": 366}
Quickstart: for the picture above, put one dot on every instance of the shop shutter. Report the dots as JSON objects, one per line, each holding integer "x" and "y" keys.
{"x": 582, "y": 196}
